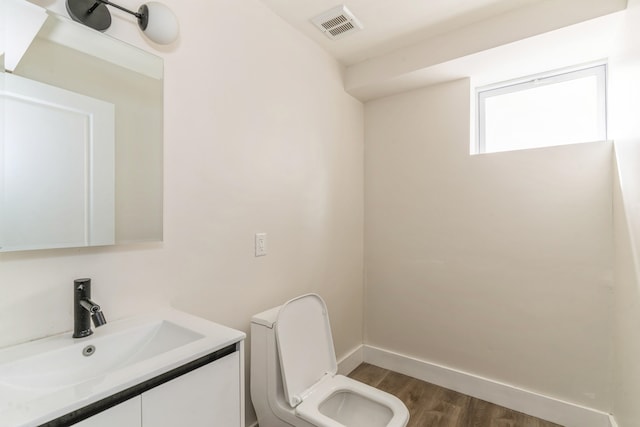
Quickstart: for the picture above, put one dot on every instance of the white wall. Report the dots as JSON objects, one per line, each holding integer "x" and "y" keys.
{"x": 626, "y": 332}
{"x": 259, "y": 137}
{"x": 625, "y": 109}
{"x": 498, "y": 265}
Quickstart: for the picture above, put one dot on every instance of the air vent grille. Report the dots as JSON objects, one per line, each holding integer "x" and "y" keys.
{"x": 337, "y": 22}
{"x": 335, "y": 32}
{"x": 334, "y": 22}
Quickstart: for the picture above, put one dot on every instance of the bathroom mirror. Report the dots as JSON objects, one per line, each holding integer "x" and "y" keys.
{"x": 81, "y": 150}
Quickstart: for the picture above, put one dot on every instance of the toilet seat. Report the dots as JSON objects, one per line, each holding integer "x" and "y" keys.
{"x": 309, "y": 372}
{"x": 305, "y": 346}
{"x": 309, "y": 409}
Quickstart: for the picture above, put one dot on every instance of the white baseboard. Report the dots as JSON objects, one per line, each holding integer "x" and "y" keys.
{"x": 351, "y": 361}
{"x": 540, "y": 406}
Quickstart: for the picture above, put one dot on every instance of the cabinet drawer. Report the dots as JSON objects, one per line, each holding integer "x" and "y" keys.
{"x": 208, "y": 396}
{"x": 126, "y": 414}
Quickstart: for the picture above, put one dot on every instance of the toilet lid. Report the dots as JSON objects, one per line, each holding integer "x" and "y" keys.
{"x": 305, "y": 345}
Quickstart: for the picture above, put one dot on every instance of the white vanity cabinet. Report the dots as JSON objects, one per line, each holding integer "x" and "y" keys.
{"x": 208, "y": 395}
{"x": 126, "y": 414}
{"x": 162, "y": 369}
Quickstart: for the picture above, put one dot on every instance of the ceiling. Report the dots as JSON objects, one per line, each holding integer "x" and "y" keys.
{"x": 389, "y": 24}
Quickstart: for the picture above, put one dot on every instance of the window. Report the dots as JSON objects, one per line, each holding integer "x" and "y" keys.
{"x": 558, "y": 108}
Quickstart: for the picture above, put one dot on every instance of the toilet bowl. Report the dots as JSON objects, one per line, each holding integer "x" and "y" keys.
{"x": 294, "y": 379}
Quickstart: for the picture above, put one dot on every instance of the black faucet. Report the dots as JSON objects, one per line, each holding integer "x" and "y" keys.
{"x": 83, "y": 308}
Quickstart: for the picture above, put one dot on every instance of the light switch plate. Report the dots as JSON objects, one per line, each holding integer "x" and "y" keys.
{"x": 261, "y": 244}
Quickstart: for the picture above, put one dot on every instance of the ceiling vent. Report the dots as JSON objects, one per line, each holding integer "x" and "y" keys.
{"x": 337, "y": 22}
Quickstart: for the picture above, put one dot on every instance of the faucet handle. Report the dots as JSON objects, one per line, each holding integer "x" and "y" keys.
{"x": 81, "y": 284}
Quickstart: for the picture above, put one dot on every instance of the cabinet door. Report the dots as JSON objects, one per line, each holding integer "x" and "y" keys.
{"x": 206, "y": 397}
{"x": 126, "y": 414}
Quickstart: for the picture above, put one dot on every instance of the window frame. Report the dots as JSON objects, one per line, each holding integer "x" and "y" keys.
{"x": 598, "y": 70}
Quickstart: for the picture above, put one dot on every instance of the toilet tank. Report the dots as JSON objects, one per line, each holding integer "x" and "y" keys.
{"x": 263, "y": 342}
{"x": 267, "y": 318}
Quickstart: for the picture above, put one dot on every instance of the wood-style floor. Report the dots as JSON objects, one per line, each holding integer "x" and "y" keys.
{"x": 433, "y": 406}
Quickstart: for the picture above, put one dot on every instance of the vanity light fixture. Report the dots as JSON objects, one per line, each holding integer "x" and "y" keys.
{"x": 156, "y": 20}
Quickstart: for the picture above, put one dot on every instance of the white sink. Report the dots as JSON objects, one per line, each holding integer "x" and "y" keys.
{"x": 47, "y": 378}
{"x": 68, "y": 364}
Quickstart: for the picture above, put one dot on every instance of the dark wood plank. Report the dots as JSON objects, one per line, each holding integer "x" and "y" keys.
{"x": 434, "y": 406}
{"x": 369, "y": 374}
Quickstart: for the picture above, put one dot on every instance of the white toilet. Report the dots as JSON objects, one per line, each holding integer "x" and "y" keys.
{"x": 293, "y": 374}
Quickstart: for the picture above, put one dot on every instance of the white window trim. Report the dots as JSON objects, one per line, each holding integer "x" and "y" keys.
{"x": 599, "y": 70}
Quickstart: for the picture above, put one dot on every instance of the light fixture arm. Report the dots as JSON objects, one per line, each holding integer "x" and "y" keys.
{"x": 107, "y": 2}
{"x": 142, "y": 14}
{"x": 94, "y": 14}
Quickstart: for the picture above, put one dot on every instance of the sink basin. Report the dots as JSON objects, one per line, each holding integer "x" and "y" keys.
{"x": 86, "y": 359}
{"x": 47, "y": 378}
